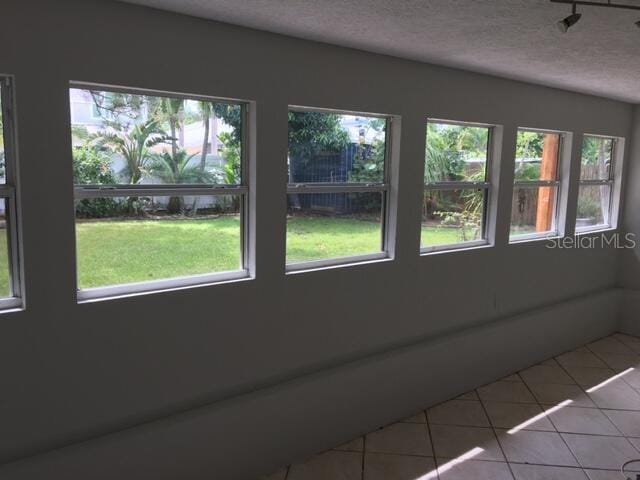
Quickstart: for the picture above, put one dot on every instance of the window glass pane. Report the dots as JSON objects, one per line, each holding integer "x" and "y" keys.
{"x": 593, "y": 205}
{"x": 452, "y": 216}
{"x": 596, "y": 158}
{"x": 533, "y": 210}
{"x": 324, "y": 226}
{"x": 335, "y": 148}
{"x": 537, "y": 156}
{"x": 137, "y": 239}
{"x": 5, "y": 264}
{"x": 125, "y": 138}
{"x": 456, "y": 153}
{"x": 2, "y": 151}
{"x": 5, "y": 275}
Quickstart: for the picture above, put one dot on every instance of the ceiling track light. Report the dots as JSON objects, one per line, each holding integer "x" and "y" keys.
{"x": 568, "y": 22}
{"x": 571, "y": 20}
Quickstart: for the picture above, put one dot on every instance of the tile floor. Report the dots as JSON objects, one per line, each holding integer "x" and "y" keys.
{"x": 574, "y": 417}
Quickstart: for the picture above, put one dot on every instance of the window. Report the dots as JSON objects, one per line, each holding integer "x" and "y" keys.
{"x": 596, "y": 183}
{"x": 338, "y": 188}
{"x": 154, "y": 208}
{"x": 534, "y": 211}
{"x": 10, "y": 285}
{"x": 456, "y": 187}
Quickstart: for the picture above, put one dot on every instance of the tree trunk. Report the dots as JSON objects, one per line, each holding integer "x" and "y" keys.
{"x": 206, "y": 119}
{"x": 548, "y": 171}
{"x": 205, "y": 140}
{"x": 181, "y": 127}
{"x": 174, "y": 140}
{"x": 174, "y": 206}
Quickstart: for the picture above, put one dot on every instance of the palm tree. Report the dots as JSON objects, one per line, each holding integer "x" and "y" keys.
{"x": 438, "y": 164}
{"x": 205, "y": 110}
{"x": 171, "y": 110}
{"x": 134, "y": 146}
{"x": 175, "y": 169}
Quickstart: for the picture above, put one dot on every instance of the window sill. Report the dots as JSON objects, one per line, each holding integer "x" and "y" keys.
{"x": 595, "y": 230}
{"x": 534, "y": 238}
{"x": 11, "y": 305}
{"x": 330, "y": 264}
{"x": 454, "y": 247}
{"x": 128, "y": 290}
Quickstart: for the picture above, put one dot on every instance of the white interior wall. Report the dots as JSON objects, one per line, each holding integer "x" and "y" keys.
{"x": 77, "y": 371}
{"x": 629, "y": 259}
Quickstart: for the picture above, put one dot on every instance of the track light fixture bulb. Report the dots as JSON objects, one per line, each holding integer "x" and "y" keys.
{"x": 571, "y": 20}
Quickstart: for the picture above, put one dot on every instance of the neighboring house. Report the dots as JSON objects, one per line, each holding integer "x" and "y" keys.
{"x": 359, "y": 130}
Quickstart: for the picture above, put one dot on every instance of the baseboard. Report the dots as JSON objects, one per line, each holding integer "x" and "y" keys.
{"x": 243, "y": 437}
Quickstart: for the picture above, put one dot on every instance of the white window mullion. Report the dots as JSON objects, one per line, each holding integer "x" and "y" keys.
{"x": 337, "y": 188}
{"x": 104, "y": 191}
{"x": 455, "y": 185}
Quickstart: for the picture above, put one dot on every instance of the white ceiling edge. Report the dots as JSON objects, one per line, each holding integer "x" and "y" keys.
{"x": 513, "y": 39}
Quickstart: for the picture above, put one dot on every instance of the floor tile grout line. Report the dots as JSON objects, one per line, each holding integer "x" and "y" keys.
{"x": 629, "y": 346}
{"x": 364, "y": 452}
{"x": 587, "y": 394}
{"x": 554, "y": 465}
{"x": 493, "y": 429}
{"x": 593, "y": 352}
{"x": 581, "y": 387}
{"x": 554, "y": 425}
{"x": 394, "y": 454}
{"x": 597, "y": 355}
{"x": 433, "y": 445}
{"x": 612, "y": 337}
{"x": 598, "y": 407}
{"x": 550, "y": 404}
{"x": 578, "y": 467}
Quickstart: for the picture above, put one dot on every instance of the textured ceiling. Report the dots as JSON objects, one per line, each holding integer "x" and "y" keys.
{"x": 510, "y": 38}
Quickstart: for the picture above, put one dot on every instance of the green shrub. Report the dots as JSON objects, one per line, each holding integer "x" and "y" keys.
{"x": 588, "y": 207}
{"x": 91, "y": 166}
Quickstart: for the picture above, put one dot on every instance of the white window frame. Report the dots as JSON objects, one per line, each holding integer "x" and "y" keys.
{"x": 122, "y": 190}
{"x": 465, "y": 185}
{"x": 611, "y": 222}
{"x": 557, "y": 184}
{"x": 383, "y": 188}
{"x": 8, "y": 192}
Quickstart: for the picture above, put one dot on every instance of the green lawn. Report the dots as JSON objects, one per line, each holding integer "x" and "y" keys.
{"x": 124, "y": 251}
{"x": 5, "y": 291}
{"x": 315, "y": 238}
{"x": 115, "y": 252}
{"x": 432, "y": 236}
